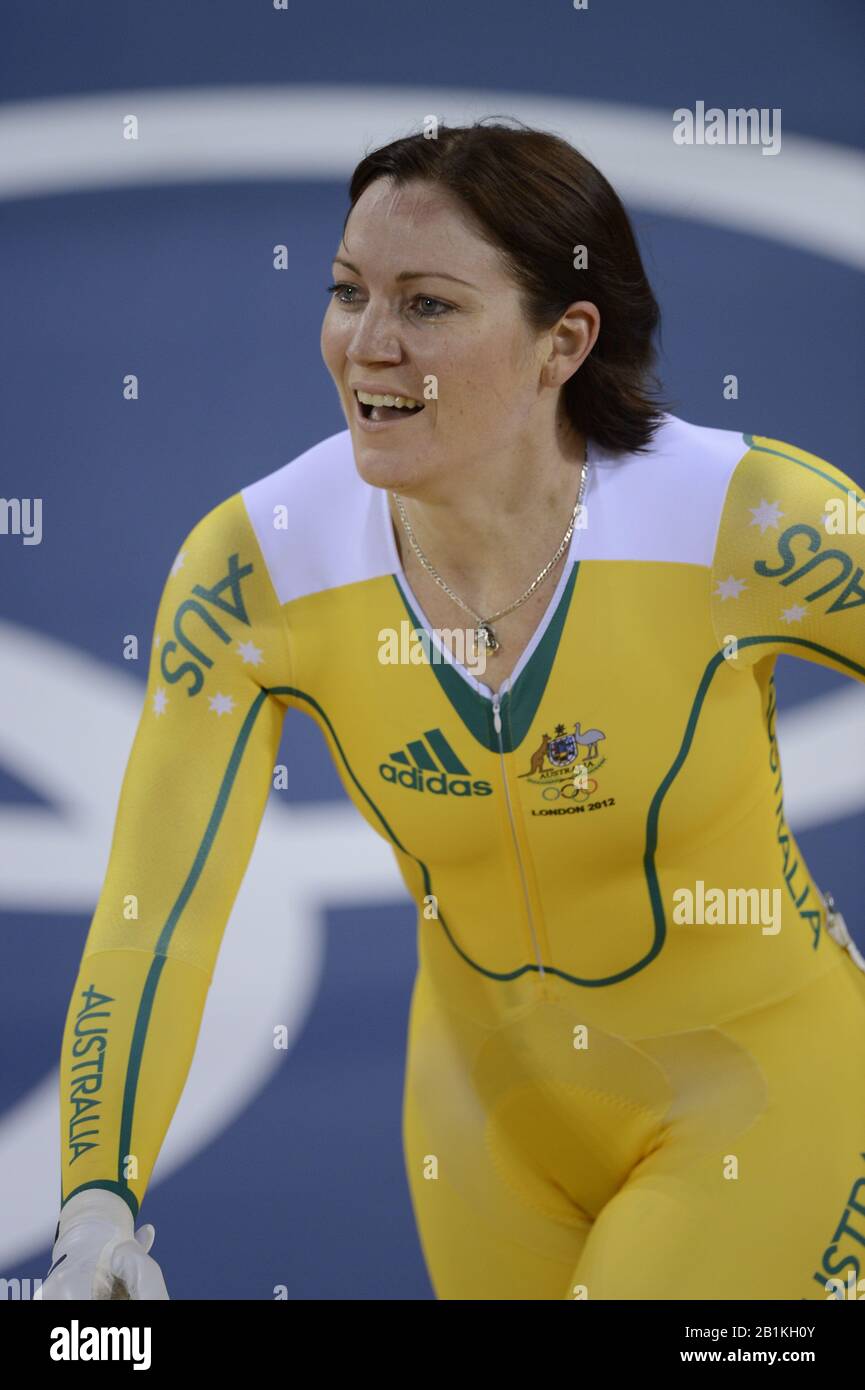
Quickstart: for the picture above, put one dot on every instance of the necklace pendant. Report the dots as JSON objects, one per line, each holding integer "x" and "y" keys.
{"x": 486, "y": 637}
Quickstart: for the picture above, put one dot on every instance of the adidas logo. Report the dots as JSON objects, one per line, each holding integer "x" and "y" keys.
{"x": 430, "y": 764}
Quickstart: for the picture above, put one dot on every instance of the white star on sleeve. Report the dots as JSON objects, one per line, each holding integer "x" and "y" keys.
{"x": 221, "y": 704}
{"x": 767, "y": 514}
{"x": 794, "y": 614}
{"x": 730, "y": 588}
{"x": 160, "y": 701}
{"x": 251, "y": 654}
{"x": 178, "y": 563}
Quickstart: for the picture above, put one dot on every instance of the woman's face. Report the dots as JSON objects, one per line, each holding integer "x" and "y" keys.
{"x": 425, "y": 310}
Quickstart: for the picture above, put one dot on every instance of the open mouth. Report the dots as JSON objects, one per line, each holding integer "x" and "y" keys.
{"x": 375, "y": 408}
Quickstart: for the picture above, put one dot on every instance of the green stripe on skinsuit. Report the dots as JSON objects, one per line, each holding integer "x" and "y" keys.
{"x": 690, "y": 729}
{"x": 651, "y": 827}
{"x": 294, "y": 692}
{"x": 160, "y": 951}
{"x": 776, "y": 453}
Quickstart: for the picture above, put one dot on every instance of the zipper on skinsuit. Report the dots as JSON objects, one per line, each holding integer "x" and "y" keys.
{"x": 497, "y": 725}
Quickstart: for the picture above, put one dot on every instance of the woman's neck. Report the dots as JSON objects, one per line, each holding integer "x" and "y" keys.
{"x": 492, "y": 535}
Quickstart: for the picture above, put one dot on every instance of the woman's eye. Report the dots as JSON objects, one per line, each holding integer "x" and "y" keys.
{"x": 427, "y": 299}
{"x": 333, "y": 291}
{"x": 427, "y": 306}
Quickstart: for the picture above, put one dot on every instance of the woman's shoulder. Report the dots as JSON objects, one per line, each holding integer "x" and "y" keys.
{"x": 318, "y": 524}
{"x": 789, "y": 557}
{"x": 662, "y": 503}
{"x": 777, "y": 485}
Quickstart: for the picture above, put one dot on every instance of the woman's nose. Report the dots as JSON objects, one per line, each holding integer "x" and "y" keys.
{"x": 375, "y": 337}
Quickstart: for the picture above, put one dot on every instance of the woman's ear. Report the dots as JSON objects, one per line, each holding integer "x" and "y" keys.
{"x": 571, "y": 340}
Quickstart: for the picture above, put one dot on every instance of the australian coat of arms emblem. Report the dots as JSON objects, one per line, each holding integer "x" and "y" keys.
{"x": 563, "y": 766}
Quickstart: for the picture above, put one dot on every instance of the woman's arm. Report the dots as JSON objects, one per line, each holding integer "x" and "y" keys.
{"x": 192, "y": 799}
{"x": 789, "y": 566}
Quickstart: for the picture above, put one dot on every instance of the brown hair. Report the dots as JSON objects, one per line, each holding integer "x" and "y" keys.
{"x": 533, "y": 196}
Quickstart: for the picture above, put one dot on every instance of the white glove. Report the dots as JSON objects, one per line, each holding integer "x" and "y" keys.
{"x": 98, "y": 1254}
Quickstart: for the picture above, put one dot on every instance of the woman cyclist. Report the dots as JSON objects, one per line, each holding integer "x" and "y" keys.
{"x": 637, "y": 1032}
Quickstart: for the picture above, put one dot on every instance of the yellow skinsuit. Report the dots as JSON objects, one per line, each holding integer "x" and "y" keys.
{"x": 636, "y": 1063}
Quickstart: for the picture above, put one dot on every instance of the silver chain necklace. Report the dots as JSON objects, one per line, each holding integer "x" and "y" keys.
{"x": 485, "y": 634}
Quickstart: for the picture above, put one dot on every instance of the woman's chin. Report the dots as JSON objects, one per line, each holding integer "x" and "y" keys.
{"x": 381, "y": 467}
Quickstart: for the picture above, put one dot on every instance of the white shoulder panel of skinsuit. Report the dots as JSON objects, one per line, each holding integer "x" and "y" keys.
{"x": 321, "y": 526}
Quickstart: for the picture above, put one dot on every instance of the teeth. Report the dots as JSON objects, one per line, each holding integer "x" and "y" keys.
{"x": 401, "y": 402}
